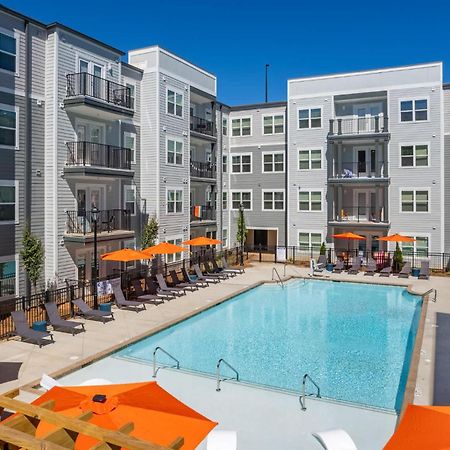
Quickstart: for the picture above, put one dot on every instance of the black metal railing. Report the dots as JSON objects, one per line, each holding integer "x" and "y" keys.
{"x": 80, "y": 222}
{"x": 203, "y": 126}
{"x": 359, "y": 125}
{"x": 83, "y": 153}
{"x": 86, "y": 84}
{"x": 352, "y": 213}
{"x": 203, "y": 169}
{"x": 361, "y": 169}
{"x": 202, "y": 212}
{"x": 7, "y": 285}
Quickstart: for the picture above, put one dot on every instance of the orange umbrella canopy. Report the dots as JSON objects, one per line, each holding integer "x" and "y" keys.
{"x": 422, "y": 427}
{"x": 124, "y": 255}
{"x": 202, "y": 240}
{"x": 396, "y": 238}
{"x": 158, "y": 417}
{"x": 349, "y": 235}
{"x": 164, "y": 248}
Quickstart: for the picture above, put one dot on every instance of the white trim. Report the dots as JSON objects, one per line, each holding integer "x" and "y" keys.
{"x": 174, "y": 139}
{"x": 273, "y": 124}
{"x": 263, "y": 191}
{"x": 176, "y": 256}
{"x": 263, "y": 228}
{"x": 129, "y": 187}
{"x": 16, "y": 111}
{"x": 414, "y": 145}
{"x": 15, "y": 184}
{"x": 278, "y": 152}
{"x": 309, "y": 232}
{"x": 309, "y": 149}
{"x": 230, "y": 204}
{"x": 173, "y": 188}
{"x": 309, "y": 108}
{"x": 17, "y": 36}
{"x": 240, "y": 118}
{"x": 131, "y": 134}
{"x": 310, "y": 190}
{"x": 230, "y": 163}
{"x": 414, "y": 189}
{"x": 413, "y": 100}
{"x": 179, "y": 92}
{"x": 442, "y": 164}
{"x": 257, "y": 144}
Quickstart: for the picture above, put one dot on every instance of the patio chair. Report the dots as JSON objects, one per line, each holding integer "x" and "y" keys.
{"x": 26, "y": 333}
{"x": 406, "y": 270}
{"x": 321, "y": 262}
{"x": 371, "y": 267}
{"x": 164, "y": 288}
{"x": 424, "y": 273}
{"x": 315, "y": 270}
{"x": 339, "y": 267}
{"x": 61, "y": 324}
{"x": 188, "y": 279}
{"x": 227, "y": 267}
{"x": 336, "y": 439}
{"x": 87, "y": 312}
{"x": 230, "y": 273}
{"x": 153, "y": 289}
{"x": 210, "y": 271}
{"x": 177, "y": 283}
{"x": 122, "y": 302}
{"x": 141, "y": 296}
{"x": 207, "y": 277}
{"x": 355, "y": 268}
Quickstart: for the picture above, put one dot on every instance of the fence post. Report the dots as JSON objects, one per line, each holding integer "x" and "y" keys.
{"x": 293, "y": 254}
{"x": 443, "y": 262}
{"x": 275, "y": 256}
{"x": 71, "y": 298}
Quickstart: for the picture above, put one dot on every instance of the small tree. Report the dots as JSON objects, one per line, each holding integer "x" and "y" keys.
{"x": 32, "y": 255}
{"x": 150, "y": 233}
{"x": 241, "y": 234}
{"x": 323, "y": 249}
{"x": 397, "y": 258}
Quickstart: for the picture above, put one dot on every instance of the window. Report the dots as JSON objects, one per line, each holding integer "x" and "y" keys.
{"x": 309, "y": 200}
{"x": 243, "y": 198}
{"x": 8, "y": 126}
{"x": 307, "y": 241}
{"x": 225, "y": 237}
{"x": 241, "y": 163}
{"x": 241, "y": 127}
{"x": 413, "y": 110}
{"x": 8, "y": 50}
{"x": 9, "y": 211}
{"x": 273, "y": 162}
{"x": 129, "y": 141}
{"x": 171, "y": 258}
{"x": 310, "y": 118}
{"x": 273, "y": 124}
{"x": 131, "y": 243}
{"x": 224, "y": 163}
{"x": 414, "y": 200}
{"x": 224, "y": 126}
{"x": 174, "y": 201}
{"x": 8, "y": 271}
{"x": 174, "y": 152}
{"x": 420, "y": 246}
{"x": 130, "y": 199}
{"x": 174, "y": 103}
{"x": 414, "y": 155}
{"x": 132, "y": 88}
{"x": 309, "y": 159}
{"x": 224, "y": 200}
{"x": 273, "y": 200}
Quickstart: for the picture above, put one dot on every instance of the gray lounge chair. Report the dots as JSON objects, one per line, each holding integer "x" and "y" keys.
{"x": 86, "y": 311}
{"x": 187, "y": 279}
{"x": 339, "y": 267}
{"x": 164, "y": 288}
{"x": 177, "y": 283}
{"x": 153, "y": 289}
{"x": 122, "y": 302}
{"x": 209, "y": 278}
{"x": 371, "y": 267}
{"x": 424, "y": 273}
{"x": 61, "y": 324}
{"x": 386, "y": 271}
{"x": 355, "y": 268}
{"x": 226, "y": 266}
{"x": 406, "y": 270}
{"x": 230, "y": 273}
{"x": 210, "y": 271}
{"x": 322, "y": 262}
{"x": 141, "y": 296}
{"x": 26, "y": 333}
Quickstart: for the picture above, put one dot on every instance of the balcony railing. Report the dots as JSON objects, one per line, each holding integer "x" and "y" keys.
{"x": 359, "y": 125}
{"x": 80, "y": 222}
{"x": 203, "y": 169}
{"x": 202, "y": 212}
{"x": 361, "y": 169}
{"x": 202, "y": 126}
{"x": 86, "y": 84}
{"x": 7, "y": 285}
{"x": 83, "y": 153}
{"x": 366, "y": 214}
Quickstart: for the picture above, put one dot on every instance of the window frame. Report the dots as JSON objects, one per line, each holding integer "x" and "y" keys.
{"x": 17, "y": 37}
{"x": 225, "y": 239}
{"x": 240, "y": 127}
{"x": 132, "y": 83}
{"x": 309, "y": 232}
{"x": 310, "y": 191}
{"x": 176, "y": 92}
{"x": 16, "y": 111}
{"x": 176, "y": 256}
{"x": 173, "y": 188}
{"x": 130, "y": 264}
{"x": 133, "y": 152}
{"x": 230, "y": 164}
{"x": 15, "y": 184}
{"x": 232, "y": 191}
{"x": 413, "y": 100}
{"x": 273, "y": 124}
{"x": 273, "y": 153}
{"x": 179, "y": 141}
{"x": 309, "y": 150}
{"x": 414, "y": 244}
{"x": 273, "y": 191}
{"x": 16, "y": 258}
{"x": 309, "y": 108}
{"x": 415, "y": 190}
{"x": 224, "y": 126}
{"x": 414, "y": 145}
{"x": 129, "y": 187}
{"x": 225, "y": 200}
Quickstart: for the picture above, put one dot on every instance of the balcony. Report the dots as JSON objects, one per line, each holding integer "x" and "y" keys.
{"x": 111, "y": 224}
{"x": 202, "y": 126}
{"x": 97, "y": 159}
{"x": 357, "y": 126}
{"x": 363, "y": 215}
{"x": 360, "y": 171}
{"x": 203, "y": 170}
{"x": 202, "y": 213}
{"x": 86, "y": 91}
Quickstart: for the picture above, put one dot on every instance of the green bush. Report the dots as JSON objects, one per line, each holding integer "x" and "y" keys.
{"x": 397, "y": 259}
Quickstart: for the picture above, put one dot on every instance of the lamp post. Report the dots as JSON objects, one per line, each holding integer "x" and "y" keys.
{"x": 94, "y": 218}
{"x": 241, "y": 224}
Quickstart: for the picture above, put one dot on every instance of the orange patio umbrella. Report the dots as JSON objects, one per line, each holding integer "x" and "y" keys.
{"x": 396, "y": 238}
{"x": 158, "y": 417}
{"x": 350, "y": 236}
{"x": 201, "y": 241}
{"x": 422, "y": 427}
{"x": 164, "y": 248}
{"x": 125, "y": 255}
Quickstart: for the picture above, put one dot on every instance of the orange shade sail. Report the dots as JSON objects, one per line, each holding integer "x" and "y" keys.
{"x": 349, "y": 235}
{"x": 158, "y": 417}
{"x": 164, "y": 248}
{"x": 396, "y": 238}
{"x": 422, "y": 427}
{"x": 124, "y": 255}
{"x": 202, "y": 240}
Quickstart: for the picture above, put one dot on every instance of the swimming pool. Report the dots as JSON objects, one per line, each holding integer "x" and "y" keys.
{"x": 355, "y": 340}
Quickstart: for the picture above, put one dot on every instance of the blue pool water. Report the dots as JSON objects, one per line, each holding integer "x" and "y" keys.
{"x": 355, "y": 340}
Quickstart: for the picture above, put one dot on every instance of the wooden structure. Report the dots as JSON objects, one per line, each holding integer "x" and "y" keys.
{"x": 19, "y": 431}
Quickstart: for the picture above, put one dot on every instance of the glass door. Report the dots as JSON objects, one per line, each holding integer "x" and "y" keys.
{"x": 96, "y": 137}
{"x": 80, "y": 152}
{"x": 361, "y": 204}
{"x": 97, "y": 81}
{"x": 362, "y": 163}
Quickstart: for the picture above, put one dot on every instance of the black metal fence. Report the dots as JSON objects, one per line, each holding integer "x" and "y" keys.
{"x": 203, "y": 169}
{"x": 202, "y": 212}
{"x": 203, "y": 126}
{"x": 83, "y": 153}
{"x": 80, "y": 222}
{"x": 361, "y": 169}
{"x": 7, "y": 285}
{"x": 352, "y": 213}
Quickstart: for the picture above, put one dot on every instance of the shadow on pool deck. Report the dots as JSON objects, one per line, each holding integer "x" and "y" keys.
{"x": 441, "y": 394}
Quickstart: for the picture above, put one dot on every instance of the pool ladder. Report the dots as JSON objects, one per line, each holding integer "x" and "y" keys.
{"x": 277, "y": 278}
{"x": 219, "y": 379}
{"x": 431, "y": 291}
{"x": 303, "y": 395}
{"x": 155, "y": 369}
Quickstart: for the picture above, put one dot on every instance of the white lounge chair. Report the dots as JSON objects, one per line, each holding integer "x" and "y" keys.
{"x": 336, "y": 439}
{"x": 221, "y": 440}
{"x": 315, "y": 270}
{"x": 47, "y": 382}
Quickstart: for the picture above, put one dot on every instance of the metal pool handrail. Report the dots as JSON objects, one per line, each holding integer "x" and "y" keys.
{"x": 275, "y": 271}
{"x": 303, "y": 395}
{"x": 429, "y": 292}
{"x": 219, "y": 380}
{"x": 155, "y": 370}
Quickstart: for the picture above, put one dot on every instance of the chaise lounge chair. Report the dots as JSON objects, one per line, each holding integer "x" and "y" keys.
{"x": 164, "y": 288}
{"x": 424, "y": 273}
{"x": 122, "y": 302}
{"x": 26, "y": 333}
{"x": 230, "y": 273}
{"x": 371, "y": 267}
{"x": 141, "y": 296}
{"x": 87, "y": 312}
{"x": 208, "y": 277}
{"x": 315, "y": 270}
{"x": 321, "y": 262}
{"x": 335, "y": 440}
{"x": 61, "y": 324}
{"x": 355, "y": 268}
{"x": 406, "y": 270}
{"x": 153, "y": 289}
{"x": 212, "y": 272}
{"x": 227, "y": 267}
{"x": 339, "y": 267}
{"x": 177, "y": 283}
{"x": 187, "y": 279}
{"x": 386, "y": 271}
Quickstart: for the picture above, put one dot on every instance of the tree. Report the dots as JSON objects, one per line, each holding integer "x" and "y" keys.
{"x": 323, "y": 249}
{"x": 150, "y": 233}
{"x": 397, "y": 258}
{"x": 241, "y": 234}
{"x": 32, "y": 255}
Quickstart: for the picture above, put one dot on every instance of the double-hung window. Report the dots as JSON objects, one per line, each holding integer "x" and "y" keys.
{"x": 224, "y": 126}
{"x": 309, "y": 159}
{"x": 241, "y": 126}
{"x": 310, "y": 118}
{"x": 174, "y": 152}
{"x": 9, "y": 211}
{"x": 307, "y": 240}
{"x": 171, "y": 258}
{"x": 241, "y": 163}
{"x": 273, "y": 200}
{"x": 413, "y": 110}
{"x": 129, "y": 141}
{"x": 273, "y": 124}
{"x": 414, "y": 200}
{"x": 8, "y": 126}
{"x": 224, "y": 200}
{"x": 174, "y": 103}
{"x": 309, "y": 200}
{"x": 225, "y": 237}
{"x": 414, "y": 155}
{"x": 8, "y": 50}
{"x": 130, "y": 199}
{"x": 174, "y": 201}
{"x": 243, "y": 198}
{"x": 224, "y": 163}
{"x": 419, "y": 247}
{"x": 132, "y": 93}
{"x": 273, "y": 162}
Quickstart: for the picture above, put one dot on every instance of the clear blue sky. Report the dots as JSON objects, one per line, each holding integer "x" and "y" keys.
{"x": 235, "y": 39}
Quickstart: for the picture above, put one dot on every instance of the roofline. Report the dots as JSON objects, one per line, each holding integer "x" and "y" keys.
{"x": 365, "y": 72}
{"x": 257, "y": 106}
{"x": 21, "y": 16}
{"x": 130, "y": 66}
{"x": 446, "y": 86}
